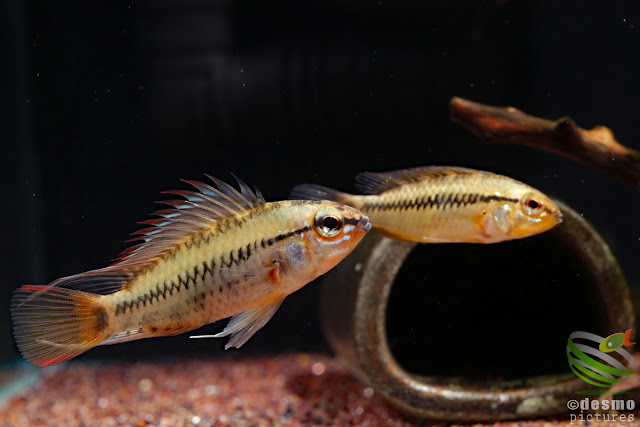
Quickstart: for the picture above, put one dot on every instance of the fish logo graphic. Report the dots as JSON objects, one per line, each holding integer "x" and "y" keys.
{"x": 596, "y": 365}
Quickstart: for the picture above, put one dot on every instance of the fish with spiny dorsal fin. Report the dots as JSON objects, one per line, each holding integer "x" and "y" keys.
{"x": 445, "y": 204}
{"x": 216, "y": 253}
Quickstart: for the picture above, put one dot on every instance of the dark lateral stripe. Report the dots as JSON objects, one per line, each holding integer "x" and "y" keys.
{"x": 438, "y": 201}
{"x": 235, "y": 257}
{"x": 270, "y": 241}
{"x": 352, "y": 220}
{"x": 292, "y": 233}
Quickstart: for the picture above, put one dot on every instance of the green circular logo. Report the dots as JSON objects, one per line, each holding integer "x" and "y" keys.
{"x": 594, "y": 364}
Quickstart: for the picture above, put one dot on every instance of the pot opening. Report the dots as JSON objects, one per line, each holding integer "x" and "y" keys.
{"x": 499, "y": 314}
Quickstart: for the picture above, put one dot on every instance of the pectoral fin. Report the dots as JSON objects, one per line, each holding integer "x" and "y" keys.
{"x": 248, "y": 283}
{"x": 478, "y": 221}
{"x": 243, "y": 326}
{"x": 502, "y": 218}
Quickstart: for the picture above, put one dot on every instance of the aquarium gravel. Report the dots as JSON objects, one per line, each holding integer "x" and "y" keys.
{"x": 283, "y": 390}
{"x": 286, "y": 390}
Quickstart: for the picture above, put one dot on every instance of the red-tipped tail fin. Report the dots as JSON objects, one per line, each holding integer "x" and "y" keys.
{"x": 52, "y": 324}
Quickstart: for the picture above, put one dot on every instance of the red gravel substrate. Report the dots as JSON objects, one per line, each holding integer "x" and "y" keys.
{"x": 286, "y": 390}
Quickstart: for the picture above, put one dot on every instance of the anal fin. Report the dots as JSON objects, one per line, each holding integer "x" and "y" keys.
{"x": 146, "y": 332}
{"x": 243, "y": 326}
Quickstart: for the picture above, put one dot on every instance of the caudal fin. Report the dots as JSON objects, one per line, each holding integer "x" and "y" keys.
{"x": 318, "y": 192}
{"x": 52, "y": 324}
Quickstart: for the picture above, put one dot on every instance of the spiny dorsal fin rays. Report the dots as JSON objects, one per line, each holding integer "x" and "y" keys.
{"x": 202, "y": 201}
{"x": 201, "y": 211}
{"x": 231, "y": 192}
{"x": 215, "y": 194}
{"x": 246, "y": 191}
{"x": 196, "y": 214}
{"x": 178, "y": 220}
{"x": 376, "y": 183}
{"x": 209, "y": 204}
{"x": 259, "y": 196}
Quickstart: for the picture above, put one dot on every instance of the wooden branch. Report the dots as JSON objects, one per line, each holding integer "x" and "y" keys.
{"x": 596, "y": 148}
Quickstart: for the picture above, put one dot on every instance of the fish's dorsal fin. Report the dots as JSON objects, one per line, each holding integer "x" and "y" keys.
{"x": 243, "y": 326}
{"x": 104, "y": 281}
{"x": 199, "y": 212}
{"x": 376, "y": 183}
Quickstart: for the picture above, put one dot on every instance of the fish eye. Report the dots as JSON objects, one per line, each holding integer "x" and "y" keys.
{"x": 532, "y": 204}
{"x": 328, "y": 221}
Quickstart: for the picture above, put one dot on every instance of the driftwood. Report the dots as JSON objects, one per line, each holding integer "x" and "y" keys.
{"x": 596, "y": 148}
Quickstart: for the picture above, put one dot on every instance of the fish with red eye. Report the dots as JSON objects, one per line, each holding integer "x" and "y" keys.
{"x": 533, "y": 204}
{"x": 445, "y": 204}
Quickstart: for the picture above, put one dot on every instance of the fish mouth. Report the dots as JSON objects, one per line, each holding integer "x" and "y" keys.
{"x": 364, "y": 224}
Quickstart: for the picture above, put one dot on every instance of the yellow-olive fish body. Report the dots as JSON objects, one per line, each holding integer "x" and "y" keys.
{"x": 436, "y": 204}
{"x": 216, "y": 254}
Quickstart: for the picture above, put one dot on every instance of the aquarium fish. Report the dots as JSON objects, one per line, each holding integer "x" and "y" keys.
{"x": 216, "y": 254}
{"x": 441, "y": 204}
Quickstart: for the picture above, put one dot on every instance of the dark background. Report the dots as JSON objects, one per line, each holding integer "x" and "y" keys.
{"x": 105, "y": 104}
